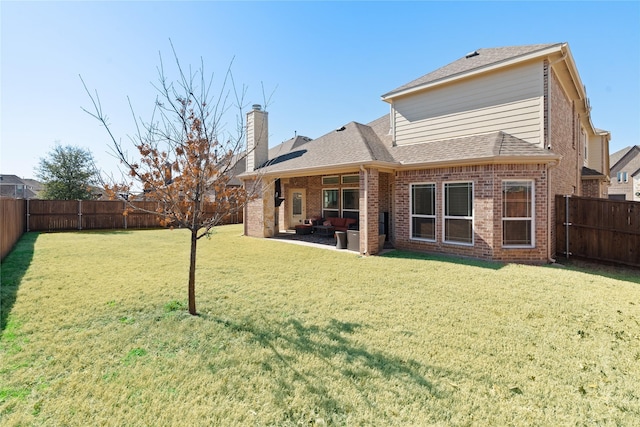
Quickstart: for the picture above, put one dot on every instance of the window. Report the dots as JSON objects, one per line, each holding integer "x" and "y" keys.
{"x": 623, "y": 177}
{"x": 350, "y": 203}
{"x": 517, "y": 213}
{"x": 458, "y": 212}
{"x": 330, "y": 203}
{"x": 330, "y": 180}
{"x": 423, "y": 211}
{"x": 350, "y": 179}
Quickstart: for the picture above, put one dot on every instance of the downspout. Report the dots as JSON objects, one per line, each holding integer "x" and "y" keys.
{"x": 550, "y": 222}
{"x": 366, "y": 211}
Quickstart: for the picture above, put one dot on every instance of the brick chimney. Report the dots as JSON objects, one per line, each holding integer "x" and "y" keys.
{"x": 257, "y": 137}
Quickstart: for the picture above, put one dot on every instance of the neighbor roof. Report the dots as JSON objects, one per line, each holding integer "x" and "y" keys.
{"x": 618, "y": 156}
{"x": 473, "y": 61}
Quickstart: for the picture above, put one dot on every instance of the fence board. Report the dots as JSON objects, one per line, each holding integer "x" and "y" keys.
{"x": 57, "y": 215}
{"x": 599, "y": 229}
{"x": 12, "y": 223}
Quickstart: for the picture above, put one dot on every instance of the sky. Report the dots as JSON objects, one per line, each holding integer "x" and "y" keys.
{"x": 320, "y": 65}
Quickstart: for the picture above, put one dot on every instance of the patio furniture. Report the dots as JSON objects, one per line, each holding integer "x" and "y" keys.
{"x": 303, "y": 228}
{"x": 324, "y": 230}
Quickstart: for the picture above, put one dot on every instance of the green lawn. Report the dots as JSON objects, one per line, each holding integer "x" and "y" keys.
{"x": 95, "y": 332}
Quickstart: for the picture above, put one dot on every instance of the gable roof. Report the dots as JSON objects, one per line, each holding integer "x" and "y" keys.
{"x": 10, "y": 180}
{"x": 475, "y": 61}
{"x": 622, "y": 157}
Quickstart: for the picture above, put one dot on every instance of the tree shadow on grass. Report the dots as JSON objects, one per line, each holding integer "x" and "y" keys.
{"x": 345, "y": 360}
{"x": 12, "y": 270}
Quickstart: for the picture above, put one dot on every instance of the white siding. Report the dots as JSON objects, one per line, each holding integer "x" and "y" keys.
{"x": 510, "y": 101}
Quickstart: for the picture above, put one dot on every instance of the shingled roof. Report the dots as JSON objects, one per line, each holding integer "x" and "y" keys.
{"x": 473, "y": 61}
{"x": 493, "y": 146}
{"x": 351, "y": 144}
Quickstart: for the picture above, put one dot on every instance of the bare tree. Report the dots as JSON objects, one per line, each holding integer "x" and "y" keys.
{"x": 187, "y": 159}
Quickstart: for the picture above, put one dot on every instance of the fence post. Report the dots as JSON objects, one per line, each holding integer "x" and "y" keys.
{"x": 79, "y": 214}
{"x": 28, "y": 215}
{"x": 566, "y": 224}
{"x": 124, "y": 211}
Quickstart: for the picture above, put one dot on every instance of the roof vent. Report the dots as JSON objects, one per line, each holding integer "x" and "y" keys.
{"x": 257, "y": 107}
{"x": 472, "y": 54}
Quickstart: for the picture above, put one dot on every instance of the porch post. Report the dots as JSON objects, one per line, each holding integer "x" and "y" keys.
{"x": 268, "y": 208}
{"x": 369, "y": 210}
{"x": 259, "y": 213}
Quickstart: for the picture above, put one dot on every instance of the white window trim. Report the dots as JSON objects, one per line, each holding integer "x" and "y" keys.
{"x": 445, "y": 217}
{"x": 412, "y": 215}
{"x": 532, "y": 218}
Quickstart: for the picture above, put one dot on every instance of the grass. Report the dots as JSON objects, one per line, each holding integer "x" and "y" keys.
{"x": 95, "y": 332}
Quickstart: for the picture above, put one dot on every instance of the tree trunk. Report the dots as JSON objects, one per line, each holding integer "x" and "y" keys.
{"x": 192, "y": 273}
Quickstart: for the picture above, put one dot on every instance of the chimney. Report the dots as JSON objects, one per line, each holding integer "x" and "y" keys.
{"x": 257, "y": 137}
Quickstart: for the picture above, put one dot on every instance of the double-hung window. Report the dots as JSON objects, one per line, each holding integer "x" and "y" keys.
{"x": 458, "y": 212}
{"x": 623, "y": 177}
{"x": 517, "y": 214}
{"x": 423, "y": 211}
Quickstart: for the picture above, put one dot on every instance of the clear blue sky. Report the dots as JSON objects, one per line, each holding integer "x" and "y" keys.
{"x": 328, "y": 62}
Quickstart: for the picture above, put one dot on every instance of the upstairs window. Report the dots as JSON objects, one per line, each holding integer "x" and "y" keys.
{"x": 623, "y": 177}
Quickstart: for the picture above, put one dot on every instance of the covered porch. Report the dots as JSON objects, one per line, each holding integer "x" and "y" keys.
{"x": 311, "y": 203}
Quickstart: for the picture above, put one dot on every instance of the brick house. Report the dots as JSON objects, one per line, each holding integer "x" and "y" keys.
{"x": 467, "y": 162}
{"x": 625, "y": 174}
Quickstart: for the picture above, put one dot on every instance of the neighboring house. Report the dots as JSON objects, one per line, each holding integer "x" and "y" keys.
{"x": 467, "y": 162}
{"x": 17, "y": 188}
{"x": 625, "y": 174}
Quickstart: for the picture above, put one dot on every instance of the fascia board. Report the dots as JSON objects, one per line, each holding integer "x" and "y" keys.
{"x": 324, "y": 170}
{"x": 488, "y": 68}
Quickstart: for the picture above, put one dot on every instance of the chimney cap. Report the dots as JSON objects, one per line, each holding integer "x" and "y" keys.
{"x": 257, "y": 107}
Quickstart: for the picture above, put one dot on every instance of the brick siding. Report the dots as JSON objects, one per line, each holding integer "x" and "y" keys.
{"x": 487, "y": 210}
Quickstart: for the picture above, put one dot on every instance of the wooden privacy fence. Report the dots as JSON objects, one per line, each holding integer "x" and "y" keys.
{"x": 12, "y": 222}
{"x": 55, "y": 215}
{"x": 598, "y": 229}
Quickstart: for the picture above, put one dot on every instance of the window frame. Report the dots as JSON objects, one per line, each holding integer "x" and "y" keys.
{"x": 531, "y": 218}
{"x": 446, "y": 216}
{"x": 413, "y": 215}
{"x": 348, "y": 182}
{"x": 342, "y": 203}
{"x": 337, "y": 180}
{"x": 324, "y": 208}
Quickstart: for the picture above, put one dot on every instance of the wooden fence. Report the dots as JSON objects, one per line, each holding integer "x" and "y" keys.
{"x": 19, "y": 215}
{"x": 13, "y": 222}
{"x": 598, "y": 229}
